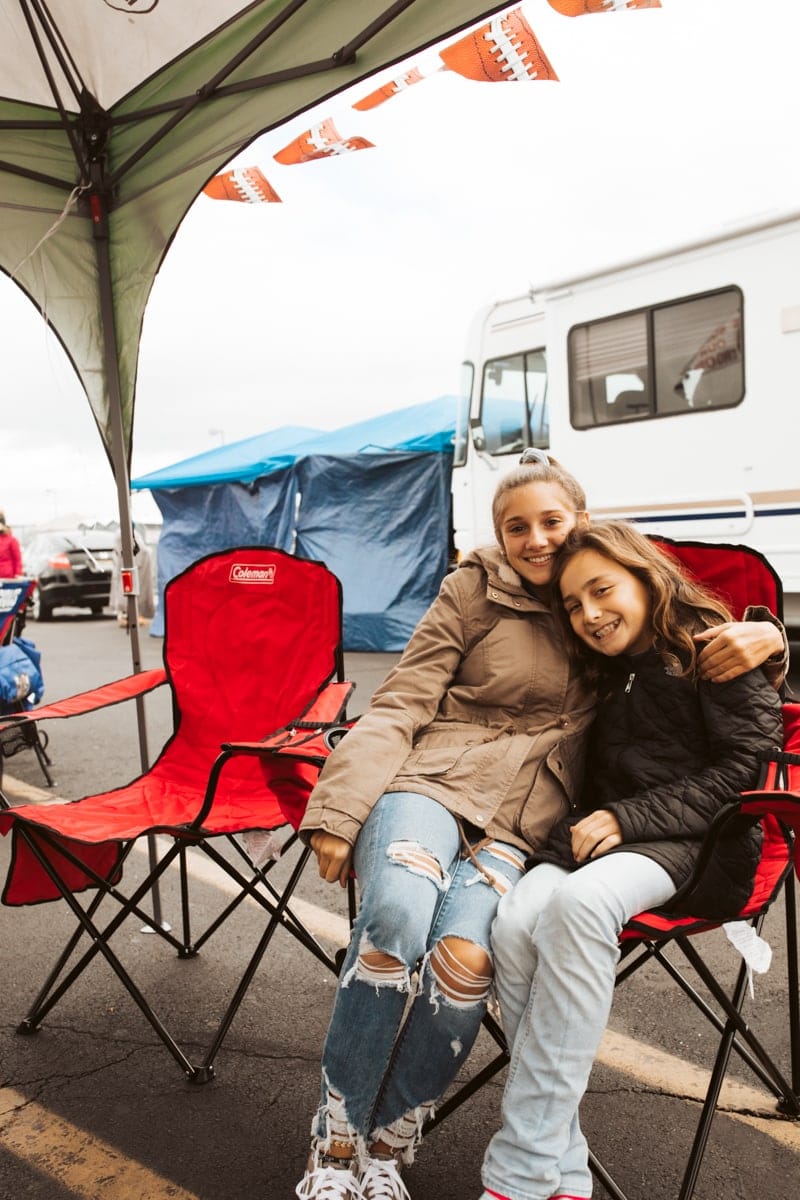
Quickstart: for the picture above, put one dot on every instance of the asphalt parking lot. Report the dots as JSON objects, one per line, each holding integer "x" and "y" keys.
{"x": 93, "y": 1106}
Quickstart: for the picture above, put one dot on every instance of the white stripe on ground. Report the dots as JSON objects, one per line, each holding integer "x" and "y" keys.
{"x": 637, "y": 1060}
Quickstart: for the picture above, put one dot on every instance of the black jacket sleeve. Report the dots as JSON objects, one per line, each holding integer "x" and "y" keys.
{"x": 742, "y": 720}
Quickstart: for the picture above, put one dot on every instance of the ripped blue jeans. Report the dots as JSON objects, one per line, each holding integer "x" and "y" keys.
{"x": 407, "y": 1008}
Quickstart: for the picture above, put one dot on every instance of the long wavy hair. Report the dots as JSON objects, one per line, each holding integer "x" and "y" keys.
{"x": 679, "y": 606}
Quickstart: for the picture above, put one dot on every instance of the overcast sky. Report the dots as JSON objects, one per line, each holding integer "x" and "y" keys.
{"x": 354, "y": 295}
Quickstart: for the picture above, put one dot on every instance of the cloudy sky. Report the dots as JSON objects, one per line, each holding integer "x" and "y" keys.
{"x": 354, "y": 295}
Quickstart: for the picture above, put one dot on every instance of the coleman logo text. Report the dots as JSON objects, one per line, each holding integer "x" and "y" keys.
{"x": 250, "y": 573}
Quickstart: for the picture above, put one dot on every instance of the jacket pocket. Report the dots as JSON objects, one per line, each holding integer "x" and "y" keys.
{"x": 434, "y": 760}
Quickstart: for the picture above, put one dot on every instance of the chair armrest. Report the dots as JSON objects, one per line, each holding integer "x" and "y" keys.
{"x": 303, "y": 745}
{"x": 315, "y": 729}
{"x": 101, "y": 697}
{"x": 308, "y": 740}
{"x": 784, "y": 806}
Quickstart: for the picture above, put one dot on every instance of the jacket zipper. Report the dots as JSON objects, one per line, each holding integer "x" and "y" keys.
{"x": 629, "y": 684}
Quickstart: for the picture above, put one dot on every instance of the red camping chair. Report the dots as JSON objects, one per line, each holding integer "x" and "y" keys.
{"x": 252, "y": 645}
{"x": 741, "y": 576}
{"x": 14, "y": 597}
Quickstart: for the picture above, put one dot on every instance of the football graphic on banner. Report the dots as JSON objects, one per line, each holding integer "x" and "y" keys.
{"x": 244, "y": 183}
{"x": 320, "y": 141}
{"x": 504, "y": 49}
{"x": 392, "y": 88}
{"x": 577, "y": 8}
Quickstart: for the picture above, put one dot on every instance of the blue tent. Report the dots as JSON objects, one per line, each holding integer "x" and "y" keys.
{"x": 371, "y": 500}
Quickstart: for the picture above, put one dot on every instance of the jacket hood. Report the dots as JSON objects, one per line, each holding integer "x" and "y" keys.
{"x": 498, "y": 569}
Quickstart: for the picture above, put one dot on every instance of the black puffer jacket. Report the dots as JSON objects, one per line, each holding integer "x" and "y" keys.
{"x": 664, "y": 756}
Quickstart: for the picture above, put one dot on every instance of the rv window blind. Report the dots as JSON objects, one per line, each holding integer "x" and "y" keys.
{"x": 659, "y": 361}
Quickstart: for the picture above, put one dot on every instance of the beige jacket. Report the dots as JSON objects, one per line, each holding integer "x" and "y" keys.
{"x": 483, "y": 713}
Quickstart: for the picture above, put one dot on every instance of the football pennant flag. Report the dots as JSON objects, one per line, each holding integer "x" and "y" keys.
{"x": 504, "y": 49}
{"x": 577, "y": 8}
{"x": 244, "y": 183}
{"x": 320, "y": 141}
{"x": 401, "y": 84}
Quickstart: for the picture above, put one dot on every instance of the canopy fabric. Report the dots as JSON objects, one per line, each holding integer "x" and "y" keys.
{"x": 426, "y": 428}
{"x": 241, "y": 461}
{"x": 113, "y": 116}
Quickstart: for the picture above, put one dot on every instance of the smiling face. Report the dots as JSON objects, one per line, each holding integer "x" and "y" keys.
{"x": 536, "y": 519}
{"x": 607, "y": 605}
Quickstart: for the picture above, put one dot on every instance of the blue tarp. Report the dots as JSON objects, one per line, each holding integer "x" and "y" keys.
{"x": 239, "y": 462}
{"x": 371, "y": 500}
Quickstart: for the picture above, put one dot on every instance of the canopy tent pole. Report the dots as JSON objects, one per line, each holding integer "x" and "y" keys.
{"x": 119, "y": 458}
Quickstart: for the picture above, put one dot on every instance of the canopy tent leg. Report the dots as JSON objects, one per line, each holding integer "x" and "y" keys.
{"x": 119, "y": 465}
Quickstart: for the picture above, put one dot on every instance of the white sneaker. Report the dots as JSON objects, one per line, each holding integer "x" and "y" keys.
{"x": 329, "y": 1183}
{"x": 381, "y": 1180}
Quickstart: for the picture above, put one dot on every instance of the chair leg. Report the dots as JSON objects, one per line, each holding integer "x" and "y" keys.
{"x": 205, "y": 1071}
{"x": 250, "y": 888}
{"x": 765, "y": 1067}
{"x": 39, "y": 744}
{"x": 714, "y": 1088}
{"x": 99, "y": 939}
{"x": 188, "y": 950}
{"x": 793, "y": 982}
{"x": 604, "y": 1179}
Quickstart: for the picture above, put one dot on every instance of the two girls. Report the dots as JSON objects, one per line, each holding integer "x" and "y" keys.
{"x": 470, "y": 751}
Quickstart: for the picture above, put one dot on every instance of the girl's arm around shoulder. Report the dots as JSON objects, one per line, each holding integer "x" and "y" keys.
{"x": 730, "y": 649}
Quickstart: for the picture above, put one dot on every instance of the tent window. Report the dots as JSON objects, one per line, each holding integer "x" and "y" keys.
{"x": 659, "y": 361}
{"x": 514, "y": 403}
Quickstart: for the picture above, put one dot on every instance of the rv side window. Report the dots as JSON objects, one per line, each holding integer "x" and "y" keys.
{"x": 514, "y": 403}
{"x": 671, "y": 358}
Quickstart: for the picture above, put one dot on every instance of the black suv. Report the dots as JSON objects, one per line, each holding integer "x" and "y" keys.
{"x": 70, "y": 568}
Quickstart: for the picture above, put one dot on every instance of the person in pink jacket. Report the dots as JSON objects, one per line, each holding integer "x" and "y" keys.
{"x": 10, "y": 553}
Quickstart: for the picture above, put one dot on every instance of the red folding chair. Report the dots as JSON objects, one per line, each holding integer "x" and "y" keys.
{"x": 15, "y": 595}
{"x": 252, "y": 646}
{"x": 741, "y": 576}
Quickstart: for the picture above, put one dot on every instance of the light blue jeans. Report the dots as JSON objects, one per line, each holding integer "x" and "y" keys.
{"x": 395, "y": 1041}
{"x": 555, "y": 942}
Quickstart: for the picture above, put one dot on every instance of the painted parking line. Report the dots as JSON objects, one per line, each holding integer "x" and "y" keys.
{"x": 648, "y": 1065}
{"x": 82, "y": 1164}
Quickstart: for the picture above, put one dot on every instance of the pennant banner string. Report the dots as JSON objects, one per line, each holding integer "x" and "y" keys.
{"x": 504, "y": 50}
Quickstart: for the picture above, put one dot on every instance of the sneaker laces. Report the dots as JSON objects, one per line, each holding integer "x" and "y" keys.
{"x": 329, "y": 1183}
{"x": 381, "y": 1180}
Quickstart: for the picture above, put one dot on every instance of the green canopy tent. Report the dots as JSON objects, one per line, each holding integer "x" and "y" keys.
{"x": 113, "y": 116}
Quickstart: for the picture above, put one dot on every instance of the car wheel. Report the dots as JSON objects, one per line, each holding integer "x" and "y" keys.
{"x": 39, "y": 610}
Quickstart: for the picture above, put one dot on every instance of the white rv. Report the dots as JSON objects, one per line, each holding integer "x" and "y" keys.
{"x": 669, "y": 386}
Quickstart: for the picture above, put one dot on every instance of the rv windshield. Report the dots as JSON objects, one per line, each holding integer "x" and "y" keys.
{"x": 514, "y": 403}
